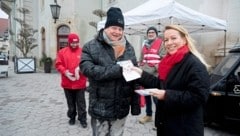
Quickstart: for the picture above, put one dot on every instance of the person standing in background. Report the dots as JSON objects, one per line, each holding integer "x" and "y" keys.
{"x": 111, "y": 97}
{"x": 151, "y": 55}
{"x": 73, "y": 81}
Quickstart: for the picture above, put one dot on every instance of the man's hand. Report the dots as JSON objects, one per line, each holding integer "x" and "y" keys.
{"x": 69, "y": 75}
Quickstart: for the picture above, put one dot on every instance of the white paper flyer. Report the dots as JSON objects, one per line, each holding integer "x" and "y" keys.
{"x": 128, "y": 74}
{"x": 146, "y": 92}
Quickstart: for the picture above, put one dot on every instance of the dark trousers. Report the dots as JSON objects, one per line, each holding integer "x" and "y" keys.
{"x": 160, "y": 131}
{"x": 76, "y": 104}
{"x": 148, "y": 100}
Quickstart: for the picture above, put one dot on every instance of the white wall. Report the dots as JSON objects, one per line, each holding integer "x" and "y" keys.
{"x": 233, "y": 19}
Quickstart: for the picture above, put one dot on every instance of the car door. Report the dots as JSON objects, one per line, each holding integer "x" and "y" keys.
{"x": 232, "y": 99}
{"x": 220, "y": 103}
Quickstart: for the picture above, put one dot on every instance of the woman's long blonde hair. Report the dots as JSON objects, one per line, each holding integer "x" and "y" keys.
{"x": 190, "y": 42}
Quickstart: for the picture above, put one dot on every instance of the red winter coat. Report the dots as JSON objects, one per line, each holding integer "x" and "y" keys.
{"x": 69, "y": 59}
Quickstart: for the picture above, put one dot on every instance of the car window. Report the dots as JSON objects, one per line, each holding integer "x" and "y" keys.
{"x": 226, "y": 64}
{"x": 2, "y": 57}
{"x": 237, "y": 73}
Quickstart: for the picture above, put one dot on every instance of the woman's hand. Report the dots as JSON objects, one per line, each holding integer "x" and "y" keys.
{"x": 158, "y": 93}
{"x": 137, "y": 69}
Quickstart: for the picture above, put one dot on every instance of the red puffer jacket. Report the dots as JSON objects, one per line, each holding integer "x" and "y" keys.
{"x": 69, "y": 59}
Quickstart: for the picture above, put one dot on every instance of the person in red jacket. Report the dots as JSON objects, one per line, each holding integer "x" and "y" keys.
{"x": 73, "y": 81}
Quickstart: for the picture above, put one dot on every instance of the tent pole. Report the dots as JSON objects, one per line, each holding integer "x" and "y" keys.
{"x": 225, "y": 42}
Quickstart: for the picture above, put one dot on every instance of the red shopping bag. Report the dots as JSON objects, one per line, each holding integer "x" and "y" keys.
{"x": 142, "y": 100}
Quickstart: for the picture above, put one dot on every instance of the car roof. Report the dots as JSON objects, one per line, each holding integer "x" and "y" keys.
{"x": 235, "y": 49}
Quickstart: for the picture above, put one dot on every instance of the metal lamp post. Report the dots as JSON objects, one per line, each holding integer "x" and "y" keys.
{"x": 55, "y": 9}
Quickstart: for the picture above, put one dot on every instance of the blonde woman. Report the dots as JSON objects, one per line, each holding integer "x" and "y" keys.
{"x": 182, "y": 87}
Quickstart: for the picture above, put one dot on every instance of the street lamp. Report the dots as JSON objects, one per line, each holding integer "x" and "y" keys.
{"x": 55, "y": 9}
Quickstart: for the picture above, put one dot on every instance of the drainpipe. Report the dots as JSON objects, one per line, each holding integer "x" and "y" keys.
{"x": 14, "y": 26}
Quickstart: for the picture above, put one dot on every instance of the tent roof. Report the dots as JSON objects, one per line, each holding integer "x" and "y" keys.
{"x": 160, "y": 13}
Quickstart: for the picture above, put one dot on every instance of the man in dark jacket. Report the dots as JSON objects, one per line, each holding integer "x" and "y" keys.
{"x": 110, "y": 96}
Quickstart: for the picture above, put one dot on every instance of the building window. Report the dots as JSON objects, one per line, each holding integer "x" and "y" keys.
{"x": 63, "y": 30}
{"x": 62, "y": 36}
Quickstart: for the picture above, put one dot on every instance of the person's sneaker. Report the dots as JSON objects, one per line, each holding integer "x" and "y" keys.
{"x": 84, "y": 124}
{"x": 145, "y": 119}
{"x": 71, "y": 121}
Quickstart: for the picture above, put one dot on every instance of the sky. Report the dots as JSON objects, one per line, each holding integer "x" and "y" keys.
{"x": 3, "y": 14}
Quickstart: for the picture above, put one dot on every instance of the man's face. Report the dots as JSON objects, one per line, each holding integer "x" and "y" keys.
{"x": 74, "y": 44}
{"x": 151, "y": 34}
{"x": 114, "y": 33}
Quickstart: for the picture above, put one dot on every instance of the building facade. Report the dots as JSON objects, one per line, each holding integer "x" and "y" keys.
{"x": 75, "y": 16}
{"x": 4, "y": 44}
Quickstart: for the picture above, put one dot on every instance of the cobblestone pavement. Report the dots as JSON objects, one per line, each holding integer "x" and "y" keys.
{"x": 33, "y": 104}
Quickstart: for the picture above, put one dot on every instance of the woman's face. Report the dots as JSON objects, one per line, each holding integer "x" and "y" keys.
{"x": 173, "y": 41}
{"x": 114, "y": 33}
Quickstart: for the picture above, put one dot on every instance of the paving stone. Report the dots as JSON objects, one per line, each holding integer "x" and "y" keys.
{"x": 34, "y": 104}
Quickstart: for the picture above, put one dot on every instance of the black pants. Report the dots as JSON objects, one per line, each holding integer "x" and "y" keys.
{"x": 148, "y": 100}
{"x": 76, "y": 104}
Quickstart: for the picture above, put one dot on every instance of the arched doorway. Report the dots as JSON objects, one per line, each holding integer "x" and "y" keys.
{"x": 62, "y": 36}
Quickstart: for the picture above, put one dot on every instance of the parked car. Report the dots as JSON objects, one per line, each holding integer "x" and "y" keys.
{"x": 3, "y": 65}
{"x": 224, "y": 100}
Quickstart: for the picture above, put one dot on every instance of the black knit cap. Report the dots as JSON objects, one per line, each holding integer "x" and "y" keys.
{"x": 114, "y": 17}
{"x": 152, "y": 28}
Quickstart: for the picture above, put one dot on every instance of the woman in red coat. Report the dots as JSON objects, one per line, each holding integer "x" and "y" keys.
{"x": 73, "y": 81}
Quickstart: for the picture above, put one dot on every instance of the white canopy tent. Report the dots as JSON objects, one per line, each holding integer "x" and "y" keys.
{"x": 160, "y": 13}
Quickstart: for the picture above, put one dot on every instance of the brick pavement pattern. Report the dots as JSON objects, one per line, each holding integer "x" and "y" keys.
{"x": 33, "y": 104}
